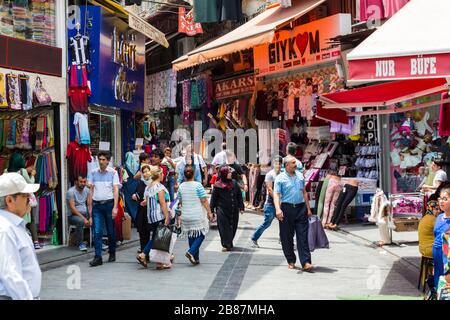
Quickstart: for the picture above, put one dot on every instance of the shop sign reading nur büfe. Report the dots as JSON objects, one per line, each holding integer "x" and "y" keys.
{"x": 234, "y": 87}
{"x": 304, "y": 46}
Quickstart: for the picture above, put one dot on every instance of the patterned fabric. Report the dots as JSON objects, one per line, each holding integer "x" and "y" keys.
{"x": 161, "y": 90}
{"x": 445, "y": 251}
{"x": 154, "y": 212}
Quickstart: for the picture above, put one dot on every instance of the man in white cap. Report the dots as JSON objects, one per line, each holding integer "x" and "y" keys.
{"x": 20, "y": 275}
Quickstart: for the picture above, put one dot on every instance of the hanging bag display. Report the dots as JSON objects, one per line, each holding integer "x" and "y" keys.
{"x": 40, "y": 95}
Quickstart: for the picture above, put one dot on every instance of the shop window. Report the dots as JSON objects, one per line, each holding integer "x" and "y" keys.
{"x": 32, "y": 20}
{"x": 102, "y": 129}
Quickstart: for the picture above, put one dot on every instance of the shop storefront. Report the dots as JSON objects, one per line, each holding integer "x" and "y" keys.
{"x": 110, "y": 58}
{"x": 33, "y": 108}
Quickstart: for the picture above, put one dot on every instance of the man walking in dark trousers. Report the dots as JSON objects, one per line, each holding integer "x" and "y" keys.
{"x": 292, "y": 210}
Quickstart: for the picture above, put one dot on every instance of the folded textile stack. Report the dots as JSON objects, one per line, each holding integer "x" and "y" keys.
{"x": 22, "y": 21}
{"x": 6, "y": 19}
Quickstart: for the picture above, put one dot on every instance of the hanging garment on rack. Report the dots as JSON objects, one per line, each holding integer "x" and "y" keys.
{"x": 195, "y": 102}
{"x": 26, "y": 94}
{"x": 40, "y": 132}
{"x": 1, "y": 135}
{"x": 82, "y": 128}
{"x": 3, "y": 96}
{"x": 6, "y": 126}
{"x": 19, "y": 129}
{"x": 13, "y": 93}
{"x": 78, "y": 157}
{"x": 11, "y": 138}
{"x": 444, "y": 117}
{"x": 79, "y": 50}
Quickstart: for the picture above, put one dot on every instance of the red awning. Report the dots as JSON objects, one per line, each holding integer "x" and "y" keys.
{"x": 410, "y": 45}
{"x": 386, "y": 95}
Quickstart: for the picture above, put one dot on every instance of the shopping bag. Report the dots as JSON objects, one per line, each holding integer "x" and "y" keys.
{"x": 126, "y": 227}
{"x": 163, "y": 257}
{"x": 317, "y": 238}
{"x": 162, "y": 238}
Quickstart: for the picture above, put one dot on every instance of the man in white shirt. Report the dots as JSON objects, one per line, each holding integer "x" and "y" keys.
{"x": 104, "y": 196}
{"x": 20, "y": 274}
{"x": 221, "y": 157}
{"x": 200, "y": 167}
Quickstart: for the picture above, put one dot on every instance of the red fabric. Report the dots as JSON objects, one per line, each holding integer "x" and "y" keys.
{"x": 213, "y": 179}
{"x": 336, "y": 115}
{"x": 164, "y": 170}
{"x": 374, "y": 95}
{"x": 78, "y": 157}
{"x": 78, "y": 98}
{"x": 444, "y": 117}
{"x": 118, "y": 221}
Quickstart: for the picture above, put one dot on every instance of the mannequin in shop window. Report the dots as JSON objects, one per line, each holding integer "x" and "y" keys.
{"x": 333, "y": 191}
{"x": 346, "y": 196}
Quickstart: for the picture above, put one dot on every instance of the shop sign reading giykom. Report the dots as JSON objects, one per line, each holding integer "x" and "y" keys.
{"x": 234, "y": 87}
{"x": 304, "y": 46}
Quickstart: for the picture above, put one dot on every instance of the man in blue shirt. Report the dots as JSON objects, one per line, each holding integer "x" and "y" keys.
{"x": 292, "y": 210}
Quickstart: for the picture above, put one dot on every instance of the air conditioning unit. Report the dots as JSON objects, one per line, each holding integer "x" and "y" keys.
{"x": 185, "y": 45}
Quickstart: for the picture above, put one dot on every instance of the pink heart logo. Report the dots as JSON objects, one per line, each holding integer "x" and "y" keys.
{"x": 302, "y": 42}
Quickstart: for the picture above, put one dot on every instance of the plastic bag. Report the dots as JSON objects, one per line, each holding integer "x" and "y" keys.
{"x": 163, "y": 257}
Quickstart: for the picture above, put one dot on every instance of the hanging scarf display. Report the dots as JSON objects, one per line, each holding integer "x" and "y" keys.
{"x": 13, "y": 92}
{"x": 11, "y": 139}
{"x": 3, "y": 99}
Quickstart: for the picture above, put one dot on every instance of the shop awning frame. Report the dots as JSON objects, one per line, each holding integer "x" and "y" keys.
{"x": 257, "y": 31}
{"x": 395, "y": 92}
{"x": 410, "y": 45}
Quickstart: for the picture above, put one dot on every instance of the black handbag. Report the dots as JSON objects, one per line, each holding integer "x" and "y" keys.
{"x": 162, "y": 238}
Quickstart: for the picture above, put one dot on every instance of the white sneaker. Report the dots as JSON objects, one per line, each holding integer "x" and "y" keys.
{"x": 255, "y": 244}
{"x": 82, "y": 247}
{"x": 104, "y": 247}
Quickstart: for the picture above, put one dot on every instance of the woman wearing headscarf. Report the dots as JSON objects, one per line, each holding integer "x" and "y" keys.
{"x": 141, "y": 215}
{"x": 226, "y": 201}
{"x": 17, "y": 164}
{"x": 129, "y": 186}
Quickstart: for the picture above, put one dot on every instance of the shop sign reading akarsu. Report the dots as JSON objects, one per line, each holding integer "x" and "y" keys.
{"x": 304, "y": 46}
{"x": 234, "y": 87}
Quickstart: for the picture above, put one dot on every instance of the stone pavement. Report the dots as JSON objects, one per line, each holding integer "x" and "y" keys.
{"x": 352, "y": 267}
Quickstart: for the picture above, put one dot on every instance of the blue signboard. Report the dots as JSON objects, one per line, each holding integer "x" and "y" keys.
{"x": 117, "y": 70}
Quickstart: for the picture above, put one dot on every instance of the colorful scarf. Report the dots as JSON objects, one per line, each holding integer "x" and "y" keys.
{"x": 11, "y": 139}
